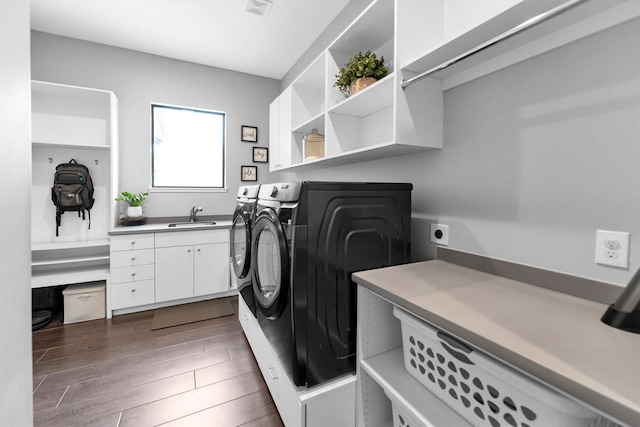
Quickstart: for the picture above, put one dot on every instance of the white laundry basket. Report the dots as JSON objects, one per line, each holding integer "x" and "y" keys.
{"x": 402, "y": 417}
{"x": 482, "y": 390}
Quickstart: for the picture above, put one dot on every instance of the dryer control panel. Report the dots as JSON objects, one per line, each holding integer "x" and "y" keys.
{"x": 281, "y": 191}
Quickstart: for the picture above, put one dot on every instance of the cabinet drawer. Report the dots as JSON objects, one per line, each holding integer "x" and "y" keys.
{"x": 182, "y": 238}
{"x": 132, "y": 274}
{"x": 132, "y": 258}
{"x": 132, "y": 294}
{"x": 132, "y": 242}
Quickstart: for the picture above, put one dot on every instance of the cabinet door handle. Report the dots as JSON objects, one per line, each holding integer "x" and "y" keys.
{"x": 133, "y": 258}
{"x": 245, "y": 316}
{"x": 133, "y": 242}
{"x": 133, "y": 274}
{"x": 133, "y": 290}
{"x": 198, "y": 249}
{"x": 188, "y": 250}
{"x": 272, "y": 373}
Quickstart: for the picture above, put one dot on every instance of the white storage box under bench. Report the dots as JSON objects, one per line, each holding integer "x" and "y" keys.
{"x": 84, "y": 302}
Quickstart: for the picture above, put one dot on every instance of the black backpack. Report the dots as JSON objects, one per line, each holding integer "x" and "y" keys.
{"x": 72, "y": 190}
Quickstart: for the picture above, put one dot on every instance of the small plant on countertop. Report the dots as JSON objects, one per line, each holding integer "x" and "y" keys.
{"x": 132, "y": 199}
{"x": 367, "y": 65}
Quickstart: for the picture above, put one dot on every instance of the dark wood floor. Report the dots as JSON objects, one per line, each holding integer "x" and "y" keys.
{"x": 119, "y": 372}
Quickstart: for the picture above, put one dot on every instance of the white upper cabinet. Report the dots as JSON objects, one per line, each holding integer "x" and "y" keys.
{"x": 280, "y": 131}
{"x": 393, "y": 117}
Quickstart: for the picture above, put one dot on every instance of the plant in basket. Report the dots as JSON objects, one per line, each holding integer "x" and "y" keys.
{"x": 361, "y": 71}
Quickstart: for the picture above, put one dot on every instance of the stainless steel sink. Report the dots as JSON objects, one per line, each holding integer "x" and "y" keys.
{"x": 192, "y": 224}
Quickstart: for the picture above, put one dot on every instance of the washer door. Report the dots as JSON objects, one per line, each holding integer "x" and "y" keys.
{"x": 241, "y": 241}
{"x": 270, "y": 264}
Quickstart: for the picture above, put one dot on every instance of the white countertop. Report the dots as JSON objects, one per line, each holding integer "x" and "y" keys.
{"x": 554, "y": 337}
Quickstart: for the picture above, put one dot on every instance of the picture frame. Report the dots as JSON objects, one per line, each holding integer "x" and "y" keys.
{"x": 260, "y": 155}
{"x": 248, "y": 173}
{"x": 249, "y": 133}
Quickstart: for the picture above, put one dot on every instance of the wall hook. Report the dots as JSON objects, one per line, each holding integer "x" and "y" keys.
{"x": 50, "y": 159}
{"x": 96, "y": 161}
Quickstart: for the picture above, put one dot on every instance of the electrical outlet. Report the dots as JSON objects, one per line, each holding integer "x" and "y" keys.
{"x": 440, "y": 234}
{"x": 612, "y": 248}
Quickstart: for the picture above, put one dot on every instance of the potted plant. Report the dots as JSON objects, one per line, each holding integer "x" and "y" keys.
{"x": 134, "y": 201}
{"x": 361, "y": 71}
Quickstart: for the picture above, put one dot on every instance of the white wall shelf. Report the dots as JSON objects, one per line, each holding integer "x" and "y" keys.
{"x": 374, "y": 98}
{"x": 67, "y": 262}
{"x": 75, "y": 146}
{"x": 69, "y": 245}
{"x": 315, "y": 122}
{"x": 356, "y": 128}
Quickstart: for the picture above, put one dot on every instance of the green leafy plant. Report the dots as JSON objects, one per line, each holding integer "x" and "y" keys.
{"x": 132, "y": 199}
{"x": 367, "y": 65}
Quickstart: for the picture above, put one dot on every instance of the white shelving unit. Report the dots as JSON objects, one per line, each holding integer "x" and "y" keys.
{"x": 415, "y": 36}
{"x": 360, "y": 127}
{"x": 70, "y": 122}
{"x": 383, "y": 380}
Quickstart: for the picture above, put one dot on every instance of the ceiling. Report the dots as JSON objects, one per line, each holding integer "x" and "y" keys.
{"x": 229, "y": 34}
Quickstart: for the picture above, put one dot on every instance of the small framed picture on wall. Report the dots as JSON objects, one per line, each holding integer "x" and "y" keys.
{"x": 260, "y": 155}
{"x": 248, "y": 173}
{"x": 249, "y": 133}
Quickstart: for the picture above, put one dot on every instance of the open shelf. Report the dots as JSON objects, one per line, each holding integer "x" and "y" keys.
{"x": 387, "y": 369}
{"x": 368, "y": 101}
{"x": 70, "y": 245}
{"x": 356, "y": 127}
{"x": 70, "y": 145}
{"x": 46, "y": 278}
{"x": 316, "y": 122}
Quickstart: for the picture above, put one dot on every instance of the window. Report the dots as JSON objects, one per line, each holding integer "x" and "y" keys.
{"x": 187, "y": 147}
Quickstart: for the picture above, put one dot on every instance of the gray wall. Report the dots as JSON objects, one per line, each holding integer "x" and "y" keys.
{"x": 347, "y": 15}
{"x": 16, "y": 385}
{"x": 138, "y": 79}
{"x": 536, "y": 157}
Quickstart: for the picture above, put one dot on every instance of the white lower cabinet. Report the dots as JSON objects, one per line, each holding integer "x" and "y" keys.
{"x": 191, "y": 263}
{"x": 329, "y": 404}
{"x": 174, "y": 273}
{"x": 153, "y": 269}
{"x": 132, "y": 271}
{"x": 132, "y": 294}
{"x": 211, "y": 269}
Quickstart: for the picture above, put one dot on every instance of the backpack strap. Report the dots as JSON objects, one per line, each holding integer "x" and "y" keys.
{"x": 58, "y": 215}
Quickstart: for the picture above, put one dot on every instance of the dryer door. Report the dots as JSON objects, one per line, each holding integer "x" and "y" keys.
{"x": 270, "y": 264}
{"x": 241, "y": 241}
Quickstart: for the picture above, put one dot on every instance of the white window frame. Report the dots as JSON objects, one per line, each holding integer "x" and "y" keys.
{"x": 188, "y": 189}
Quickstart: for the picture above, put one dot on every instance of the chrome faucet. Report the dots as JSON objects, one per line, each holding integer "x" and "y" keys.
{"x": 194, "y": 212}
